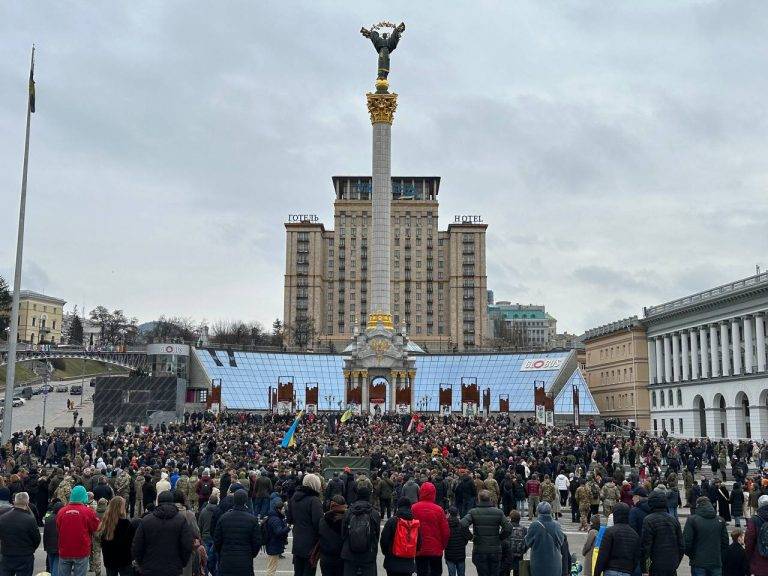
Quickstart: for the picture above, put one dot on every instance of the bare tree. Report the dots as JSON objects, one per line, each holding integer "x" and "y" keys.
{"x": 510, "y": 335}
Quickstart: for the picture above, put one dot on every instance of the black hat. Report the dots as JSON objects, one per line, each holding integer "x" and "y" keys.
{"x": 640, "y": 491}
{"x": 240, "y": 498}
{"x": 404, "y": 502}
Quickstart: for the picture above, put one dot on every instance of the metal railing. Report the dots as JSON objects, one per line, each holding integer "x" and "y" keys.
{"x": 706, "y": 295}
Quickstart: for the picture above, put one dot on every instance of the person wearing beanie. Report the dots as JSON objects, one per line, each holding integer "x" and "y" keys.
{"x": 330, "y": 537}
{"x": 75, "y": 524}
{"x": 661, "y": 537}
{"x": 358, "y": 552}
{"x": 204, "y": 488}
{"x": 163, "y": 485}
{"x": 758, "y": 564}
{"x": 545, "y": 538}
{"x": 277, "y": 537}
{"x": 396, "y": 561}
{"x": 164, "y": 540}
{"x": 433, "y": 528}
{"x": 304, "y": 513}
{"x": 456, "y": 548}
{"x": 237, "y": 538}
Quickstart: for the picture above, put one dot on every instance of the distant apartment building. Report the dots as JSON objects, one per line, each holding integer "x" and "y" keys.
{"x": 617, "y": 370}
{"x": 529, "y": 324}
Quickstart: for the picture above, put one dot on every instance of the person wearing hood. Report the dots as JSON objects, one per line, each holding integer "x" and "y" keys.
{"x": 75, "y": 524}
{"x": 705, "y": 538}
{"x": 620, "y": 549}
{"x": 545, "y": 539}
{"x": 277, "y": 537}
{"x": 410, "y": 490}
{"x": 360, "y": 556}
{"x": 399, "y": 562}
{"x": 163, "y": 485}
{"x": 237, "y": 538}
{"x": 51, "y": 538}
{"x": 758, "y": 564}
{"x": 489, "y": 528}
{"x": 331, "y": 563}
{"x": 209, "y": 517}
{"x": 304, "y": 512}
{"x": 661, "y": 537}
{"x": 164, "y": 541}
{"x": 434, "y": 530}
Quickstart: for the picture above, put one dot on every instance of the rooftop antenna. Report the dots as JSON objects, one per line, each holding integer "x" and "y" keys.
{"x": 757, "y": 269}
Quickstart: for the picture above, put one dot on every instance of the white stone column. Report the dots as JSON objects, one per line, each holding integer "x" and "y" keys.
{"x": 659, "y": 359}
{"x": 725, "y": 349}
{"x": 704, "y": 352}
{"x": 686, "y": 357}
{"x": 760, "y": 338}
{"x": 715, "y": 371}
{"x": 675, "y": 357}
{"x": 651, "y": 361}
{"x": 749, "y": 345}
{"x": 694, "y": 354}
{"x": 736, "y": 340}
{"x": 667, "y": 359}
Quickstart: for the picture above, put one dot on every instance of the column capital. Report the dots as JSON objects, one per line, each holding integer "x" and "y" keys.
{"x": 382, "y": 107}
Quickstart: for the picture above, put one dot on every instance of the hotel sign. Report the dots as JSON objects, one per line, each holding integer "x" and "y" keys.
{"x": 303, "y": 218}
{"x": 467, "y": 219}
{"x": 535, "y": 364}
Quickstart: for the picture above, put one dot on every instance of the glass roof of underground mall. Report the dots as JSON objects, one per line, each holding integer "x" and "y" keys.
{"x": 247, "y": 376}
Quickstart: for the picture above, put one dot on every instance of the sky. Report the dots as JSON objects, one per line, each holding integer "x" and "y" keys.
{"x": 617, "y": 151}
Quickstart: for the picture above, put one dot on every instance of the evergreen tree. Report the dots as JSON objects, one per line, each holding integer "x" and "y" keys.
{"x": 76, "y": 330}
{"x": 5, "y": 308}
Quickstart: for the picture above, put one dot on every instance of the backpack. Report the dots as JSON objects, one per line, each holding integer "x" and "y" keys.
{"x": 205, "y": 490}
{"x": 517, "y": 541}
{"x": 406, "y": 538}
{"x": 359, "y": 532}
{"x": 762, "y": 536}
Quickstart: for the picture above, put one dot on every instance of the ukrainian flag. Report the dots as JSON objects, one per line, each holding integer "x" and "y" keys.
{"x": 596, "y": 548}
{"x": 289, "y": 438}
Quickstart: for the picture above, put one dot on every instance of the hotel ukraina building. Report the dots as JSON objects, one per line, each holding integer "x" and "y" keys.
{"x": 438, "y": 277}
{"x": 707, "y": 362}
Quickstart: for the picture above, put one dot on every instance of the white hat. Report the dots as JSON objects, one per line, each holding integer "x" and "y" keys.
{"x": 762, "y": 501}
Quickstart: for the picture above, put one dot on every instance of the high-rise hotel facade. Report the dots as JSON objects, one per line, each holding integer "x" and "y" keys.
{"x": 438, "y": 277}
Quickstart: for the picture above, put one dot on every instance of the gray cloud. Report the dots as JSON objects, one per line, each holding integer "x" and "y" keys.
{"x": 616, "y": 151}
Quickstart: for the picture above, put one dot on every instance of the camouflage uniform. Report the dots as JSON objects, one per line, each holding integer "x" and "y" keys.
{"x": 549, "y": 494}
{"x": 583, "y": 499}
{"x": 123, "y": 485}
{"x": 182, "y": 485}
{"x": 138, "y": 485}
{"x": 95, "y": 558}
{"x": 192, "y": 502}
{"x": 610, "y": 495}
{"x": 65, "y": 489}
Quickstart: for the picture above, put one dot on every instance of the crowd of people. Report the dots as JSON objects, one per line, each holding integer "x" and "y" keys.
{"x": 207, "y": 495}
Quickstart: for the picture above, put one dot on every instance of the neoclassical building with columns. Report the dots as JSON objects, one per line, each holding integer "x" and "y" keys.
{"x": 707, "y": 362}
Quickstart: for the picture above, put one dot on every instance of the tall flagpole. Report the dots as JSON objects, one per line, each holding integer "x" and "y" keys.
{"x": 14, "y": 331}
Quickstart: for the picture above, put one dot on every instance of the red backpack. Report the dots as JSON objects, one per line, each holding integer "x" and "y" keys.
{"x": 406, "y": 538}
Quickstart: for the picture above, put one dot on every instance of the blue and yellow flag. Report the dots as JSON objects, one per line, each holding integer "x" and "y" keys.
{"x": 289, "y": 438}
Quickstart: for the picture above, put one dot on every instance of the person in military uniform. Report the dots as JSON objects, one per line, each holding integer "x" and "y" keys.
{"x": 64, "y": 488}
{"x": 594, "y": 495}
{"x": 192, "y": 500}
{"x": 549, "y": 494}
{"x": 123, "y": 484}
{"x": 583, "y": 498}
{"x": 138, "y": 485}
{"x": 610, "y": 495}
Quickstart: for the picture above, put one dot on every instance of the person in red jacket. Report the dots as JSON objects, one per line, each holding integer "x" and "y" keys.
{"x": 434, "y": 532}
{"x": 76, "y": 522}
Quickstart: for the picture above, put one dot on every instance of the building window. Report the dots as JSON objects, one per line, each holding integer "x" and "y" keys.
{"x": 662, "y": 397}
{"x": 33, "y": 320}
{"x": 655, "y": 426}
{"x": 669, "y": 396}
{"x": 680, "y": 421}
{"x": 653, "y": 399}
{"x": 679, "y": 397}
{"x": 672, "y": 425}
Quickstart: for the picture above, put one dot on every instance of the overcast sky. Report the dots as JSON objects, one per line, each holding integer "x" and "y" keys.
{"x": 617, "y": 150}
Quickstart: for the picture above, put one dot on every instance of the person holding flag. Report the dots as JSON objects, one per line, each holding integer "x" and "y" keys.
{"x": 289, "y": 440}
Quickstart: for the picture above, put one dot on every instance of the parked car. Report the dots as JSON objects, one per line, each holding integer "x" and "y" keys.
{"x": 62, "y": 388}
{"x": 76, "y": 390}
{"x": 18, "y": 401}
{"x": 45, "y": 388}
{"x": 27, "y": 392}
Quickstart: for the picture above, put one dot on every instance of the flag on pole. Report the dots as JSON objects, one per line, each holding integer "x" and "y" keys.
{"x": 32, "y": 83}
{"x": 347, "y": 415}
{"x": 290, "y": 436}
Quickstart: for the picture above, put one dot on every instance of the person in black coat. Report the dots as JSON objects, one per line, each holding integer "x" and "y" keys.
{"x": 662, "y": 538}
{"x": 237, "y": 538}
{"x": 456, "y": 550}
{"x": 737, "y": 503}
{"x": 723, "y": 501}
{"x": 361, "y": 563}
{"x": 395, "y": 564}
{"x": 164, "y": 541}
{"x": 19, "y": 537}
{"x": 304, "y": 512}
{"x": 331, "y": 563}
{"x": 735, "y": 562}
{"x": 116, "y": 535}
{"x": 620, "y": 548}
